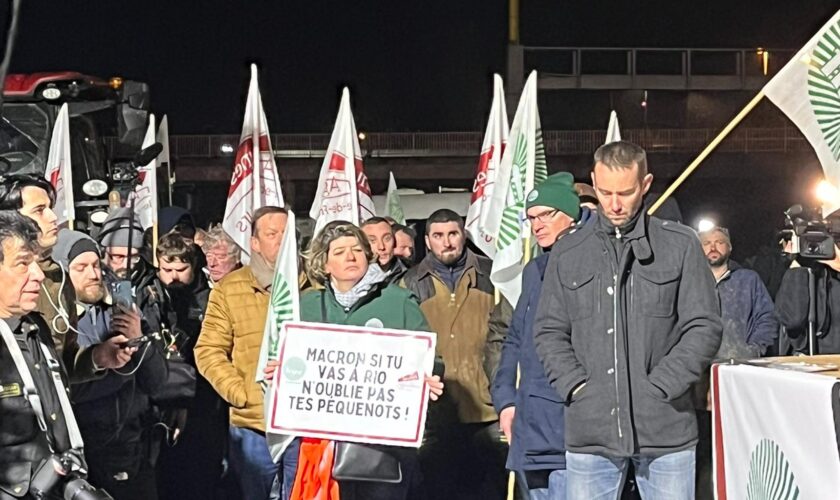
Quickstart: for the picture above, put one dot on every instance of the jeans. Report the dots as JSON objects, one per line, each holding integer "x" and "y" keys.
{"x": 287, "y": 468}
{"x": 251, "y": 462}
{"x": 556, "y": 487}
{"x": 666, "y": 477}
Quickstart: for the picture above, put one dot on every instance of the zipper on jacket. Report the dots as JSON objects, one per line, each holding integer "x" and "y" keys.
{"x": 615, "y": 341}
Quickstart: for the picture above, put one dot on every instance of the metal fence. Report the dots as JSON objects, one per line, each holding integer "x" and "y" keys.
{"x": 557, "y": 142}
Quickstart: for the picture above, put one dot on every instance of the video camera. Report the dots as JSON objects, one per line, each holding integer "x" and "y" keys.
{"x": 65, "y": 472}
{"x": 811, "y": 236}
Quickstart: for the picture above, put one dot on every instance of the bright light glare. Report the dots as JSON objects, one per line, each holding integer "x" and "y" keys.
{"x": 226, "y": 149}
{"x": 827, "y": 193}
{"x": 705, "y": 225}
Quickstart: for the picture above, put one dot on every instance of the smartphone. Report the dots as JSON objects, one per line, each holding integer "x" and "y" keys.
{"x": 122, "y": 294}
{"x": 135, "y": 342}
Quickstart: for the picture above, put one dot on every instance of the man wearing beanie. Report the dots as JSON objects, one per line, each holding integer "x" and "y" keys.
{"x": 537, "y": 447}
{"x": 627, "y": 322}
{"x": 106, "y": 355}
{"x": 112, "y": 411}
{"x": 121, "y": 238}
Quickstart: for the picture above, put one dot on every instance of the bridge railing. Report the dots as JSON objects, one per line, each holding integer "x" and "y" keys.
{"x": 557, "y": 142}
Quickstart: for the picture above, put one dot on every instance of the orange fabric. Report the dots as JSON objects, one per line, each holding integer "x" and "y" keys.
{"x": 313, "y": 480}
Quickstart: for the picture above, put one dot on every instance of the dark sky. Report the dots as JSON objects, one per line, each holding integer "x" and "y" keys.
{"x": 422, "y": 65}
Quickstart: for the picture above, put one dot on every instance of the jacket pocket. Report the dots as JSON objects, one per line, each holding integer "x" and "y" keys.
{"x": 19, "y": 422}
{"x": 580, "y": 291}
{"x": 657, "y": 291}
{"x": 542, "y": 434}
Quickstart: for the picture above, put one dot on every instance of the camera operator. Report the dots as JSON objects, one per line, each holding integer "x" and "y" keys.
{"x": 113, "y": 411}
{"x": 792, "y": 304}
{"x": 40, "y": 443}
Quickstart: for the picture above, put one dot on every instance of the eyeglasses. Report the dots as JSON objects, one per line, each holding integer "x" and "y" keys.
{"x": 120, "y": 258}
{"x": 543, "y": 216}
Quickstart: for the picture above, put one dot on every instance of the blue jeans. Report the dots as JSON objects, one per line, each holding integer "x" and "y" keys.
{"x": 666, "y": 477}
{"x": 287, "y": 468}
{"x": 556, "y": 487}
{"x": 251, "y": 462}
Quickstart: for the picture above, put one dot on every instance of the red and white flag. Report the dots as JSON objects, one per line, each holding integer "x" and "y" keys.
{"x": 248, "y": 192}
{"x": 495, "y": 138}
{"x": 59, "y": 168}
{"x": 343, "y": 192}
{"x": 145, "y": 194}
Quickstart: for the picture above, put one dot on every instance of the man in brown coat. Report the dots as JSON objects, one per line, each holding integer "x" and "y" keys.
{"x": 228, "y": 349}
{"x": 463, "y": 455}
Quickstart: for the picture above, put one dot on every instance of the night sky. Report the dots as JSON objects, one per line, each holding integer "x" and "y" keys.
{"x": 422, "y": 65}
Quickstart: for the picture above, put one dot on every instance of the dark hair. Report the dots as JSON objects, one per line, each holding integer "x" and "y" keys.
{"x": 622, "y": 154}
{"x": 14, "y": 226}
{"x": 376, "y": 220}
{"x": 399, "y": 228}
{"x": 173, "y": 246}
{"x": 11, "y": 189}
{"x": 262, "y": 212}
{"x": 443, "y": 215}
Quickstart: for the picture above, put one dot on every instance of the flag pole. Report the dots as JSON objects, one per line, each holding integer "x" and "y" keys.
{"x": 707, "y": 151}
{"x": 154, "y": 243}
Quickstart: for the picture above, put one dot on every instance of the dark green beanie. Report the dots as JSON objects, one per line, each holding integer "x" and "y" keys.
{"x": 557, "y": 191}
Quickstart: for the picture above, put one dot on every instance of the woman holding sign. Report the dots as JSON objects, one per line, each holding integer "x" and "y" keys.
{"x": 354, "y": 292}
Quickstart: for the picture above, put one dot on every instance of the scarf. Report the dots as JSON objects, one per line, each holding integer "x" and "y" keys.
{"x": 313, "y": 480}
{"x": 373, "y": 276}
{"x": 263, "y": 272}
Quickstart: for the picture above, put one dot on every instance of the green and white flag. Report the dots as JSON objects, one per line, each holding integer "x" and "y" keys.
{"x": 613, "y": 133}
{"x": 284, "y": 304}
{"x": 807, "y": 89}
{"x": 393, "y": 206}
{"x": 522, "y": 167}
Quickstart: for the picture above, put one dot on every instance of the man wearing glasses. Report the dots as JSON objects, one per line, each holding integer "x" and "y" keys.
{"x": 531, "y": 415}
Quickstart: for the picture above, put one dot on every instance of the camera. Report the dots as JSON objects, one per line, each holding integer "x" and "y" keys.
{"x": 811, "y": 236}
{"x": 65, "y": 472}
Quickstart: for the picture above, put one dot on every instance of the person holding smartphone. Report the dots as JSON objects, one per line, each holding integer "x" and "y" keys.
{"x": 111, "y": 410}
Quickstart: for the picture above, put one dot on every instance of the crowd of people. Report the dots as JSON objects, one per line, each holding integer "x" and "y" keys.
{"x": 134, "y": 365}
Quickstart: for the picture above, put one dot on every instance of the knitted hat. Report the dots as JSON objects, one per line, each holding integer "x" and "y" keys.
{"x": 556, "y": 192}
{"x": 71, "y": 244}
{"x": 115, "y": 229}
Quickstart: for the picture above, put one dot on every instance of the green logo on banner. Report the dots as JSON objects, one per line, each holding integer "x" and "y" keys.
{"x": 770, "y": 475}
{"x": 824, "y": 87}
{"x": 283, "y": 308}
{"x": 294, "y": 369}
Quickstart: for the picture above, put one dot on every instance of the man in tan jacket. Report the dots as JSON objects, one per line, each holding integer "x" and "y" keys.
{"x": 463, "y": 454}
{"x": 228, "y": 349}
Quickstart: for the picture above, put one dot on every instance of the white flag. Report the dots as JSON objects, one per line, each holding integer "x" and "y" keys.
{"x": 774, "y": 434}
{"x": 59, "y": 169}
{"x": 522, "y": 166}
{"x": 145, "y": 194}
{"x": 613, "y": 133}
{"x": 163, "y": 157}
{"x": 343, "y": 192}
{"x": 284, "y": 304}
{"x": 807, "y": 89}
{"x": 248, "y": 192}
{"x": 392, "y": 201}
{"x": 492, "y": 148}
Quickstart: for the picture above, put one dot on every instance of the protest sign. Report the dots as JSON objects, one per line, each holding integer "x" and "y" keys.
{"x": 347, "y": 383}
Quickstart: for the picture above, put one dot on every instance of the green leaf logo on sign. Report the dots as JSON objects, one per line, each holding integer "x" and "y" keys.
{"x": 824, "y": 87}
{"x": 770, "y": 475}
{"x": 283, "y": 309}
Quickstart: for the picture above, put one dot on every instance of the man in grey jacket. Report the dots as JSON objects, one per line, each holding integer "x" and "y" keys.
{"x": 628, "y": 320}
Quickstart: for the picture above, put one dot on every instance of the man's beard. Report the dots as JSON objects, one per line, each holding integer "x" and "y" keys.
{"x": 449, "y": 257}
{"x": 723, "y": 259}
{"x": 177, "y": 286}
{"x": 91, "y": 295}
